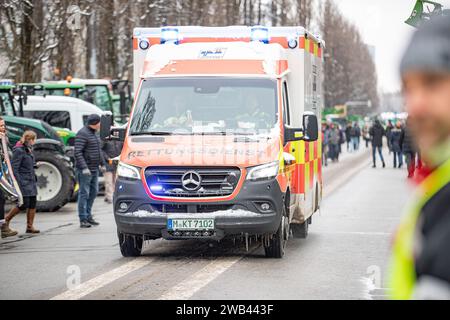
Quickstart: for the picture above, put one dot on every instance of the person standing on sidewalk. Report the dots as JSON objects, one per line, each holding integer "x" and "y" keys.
{"x": 366, "y": 134}
{"x": 389, "y": 128}
{"x": 23, "y": 165}
{"x": 376, "y": 133}
{"x": 409, "y": 150}
{"x": 88, "y": 160}
{"x": 420, "y": 264}
{"x": 111, "y": 149}
{"x": 396, "y": 145}
{"x": 333, "y": 142}
{"x": 355, "y": 135}
{"x": 348, "y": 137}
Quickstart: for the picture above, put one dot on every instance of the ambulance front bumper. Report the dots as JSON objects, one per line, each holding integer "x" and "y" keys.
{"x": 244, "y": 214}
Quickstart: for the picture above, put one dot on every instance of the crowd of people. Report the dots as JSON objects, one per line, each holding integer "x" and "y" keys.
{"x": 333, "y": 137}
{"x": 398, "y": 137}
{"x": 92, "y": 157}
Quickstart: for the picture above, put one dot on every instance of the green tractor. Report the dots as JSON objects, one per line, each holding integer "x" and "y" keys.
{"x": 56, "y": 176}
{"x": 425, "y": 10}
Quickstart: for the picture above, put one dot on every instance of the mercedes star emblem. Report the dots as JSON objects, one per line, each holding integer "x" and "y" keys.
{"x": 191, "y": 181}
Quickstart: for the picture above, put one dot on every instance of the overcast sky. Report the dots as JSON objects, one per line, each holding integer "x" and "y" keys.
{"x": 381, "y": 23}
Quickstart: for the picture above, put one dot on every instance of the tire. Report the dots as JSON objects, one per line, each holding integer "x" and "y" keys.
{"x": 300, "y": 231}
{"x": 55, "y": 181}
{"x": 276, "y": 246}
{"x": 130, "y": 246}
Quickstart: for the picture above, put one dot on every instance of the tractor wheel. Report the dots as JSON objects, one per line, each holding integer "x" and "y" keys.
{"x": 55, "y": 181}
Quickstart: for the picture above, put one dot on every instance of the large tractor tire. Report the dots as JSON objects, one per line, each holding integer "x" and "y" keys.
{"x": 55, "y": 181}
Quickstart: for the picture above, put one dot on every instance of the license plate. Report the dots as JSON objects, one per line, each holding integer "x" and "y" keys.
{"x": 190, "y": 224}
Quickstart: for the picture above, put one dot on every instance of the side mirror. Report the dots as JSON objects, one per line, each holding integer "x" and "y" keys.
{"x": 106, "y": 122}
{"x": 292, "y": 134}
{"x": 310, "y": 127}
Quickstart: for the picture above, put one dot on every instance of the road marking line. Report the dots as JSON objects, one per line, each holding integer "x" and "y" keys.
{"x": 102, "y": 280}
{"x": 188, "y": 287}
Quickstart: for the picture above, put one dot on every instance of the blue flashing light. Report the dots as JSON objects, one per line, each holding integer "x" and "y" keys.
{"x": 170, "y": 35}
{"x": 260, "y": 34}
{"x": 156, "y": 187}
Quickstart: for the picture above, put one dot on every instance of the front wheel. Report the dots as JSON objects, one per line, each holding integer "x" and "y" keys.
{"x": 275, "y": 247}
{"x": 130, "y": 245}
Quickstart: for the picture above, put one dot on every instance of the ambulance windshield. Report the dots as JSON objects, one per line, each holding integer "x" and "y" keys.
{"x": 205, "y": 106}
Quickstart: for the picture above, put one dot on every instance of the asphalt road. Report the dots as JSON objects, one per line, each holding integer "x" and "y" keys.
{"x": 344, "y": 257}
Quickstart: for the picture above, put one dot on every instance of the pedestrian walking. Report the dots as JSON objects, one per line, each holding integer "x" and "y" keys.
{"x": 389, "y": 128}
{"x": 23, "y": 165}
{"x": 89, "y": 162}
{"x": 111, "y": 149}
{"x": 409, "y": 149}
{"x": 366, "y": 134}
{"x": 341, "y": 132}
{"x": 420, "y": 264}
{"x": 334, "y": 142}
{"x": 377, "y": 133}
{"x": 355, "y": 135}
{"x": 395, "y": 138}
{"x": 358, "y": 134}
{"x": 348, "y": 137}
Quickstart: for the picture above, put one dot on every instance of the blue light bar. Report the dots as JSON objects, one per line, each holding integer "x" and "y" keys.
{"x": 260, "y": 34}
{"x": 169, "y": 35}
{"x": 156, "y": 187}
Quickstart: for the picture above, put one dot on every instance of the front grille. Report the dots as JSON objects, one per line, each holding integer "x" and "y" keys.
{"x": 183, "y": 208}
{"x": 214, "y": 181}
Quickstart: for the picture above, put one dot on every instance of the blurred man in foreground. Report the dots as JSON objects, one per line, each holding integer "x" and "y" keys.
{"x": 421, "y": 259}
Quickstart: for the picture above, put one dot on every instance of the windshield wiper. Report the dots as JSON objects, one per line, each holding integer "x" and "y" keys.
{"x": 152, "y": 133}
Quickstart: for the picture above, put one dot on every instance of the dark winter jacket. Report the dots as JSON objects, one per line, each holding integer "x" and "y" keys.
{"x": 348, "y": 133}
{"x": 376, "y": 133}
{"x": 88, "y": 152}
{"x": 357, "y": 132}
{"x": 111, "y": 149}
{"x": 395, "y": 139}
{"x": 23, "y": 164}
{"x": 407, "y": 142}
{"x": 333, "y": 136}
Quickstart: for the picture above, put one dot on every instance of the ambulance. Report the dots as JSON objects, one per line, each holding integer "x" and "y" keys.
{"x": 223, "y": 138}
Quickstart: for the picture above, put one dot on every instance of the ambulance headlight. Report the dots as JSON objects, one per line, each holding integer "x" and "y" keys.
{"x": 263, "y": 172}
{"x": 170, "y": 35}
{"x": 127, "y": 171}
{"x": 260, "y": 34}
{"x": 292, "y": 43}
{"x": 144, "y": 44}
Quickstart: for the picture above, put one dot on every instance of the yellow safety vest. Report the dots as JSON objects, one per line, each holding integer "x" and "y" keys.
{"x": 402, "y": 277}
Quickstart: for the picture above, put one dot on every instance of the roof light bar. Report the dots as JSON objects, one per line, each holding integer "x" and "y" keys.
{"x": 260, "y": 34}
{"x": 170, "y": 35}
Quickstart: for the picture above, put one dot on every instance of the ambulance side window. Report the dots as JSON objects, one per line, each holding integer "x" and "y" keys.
{"x": 286, "y": 111}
